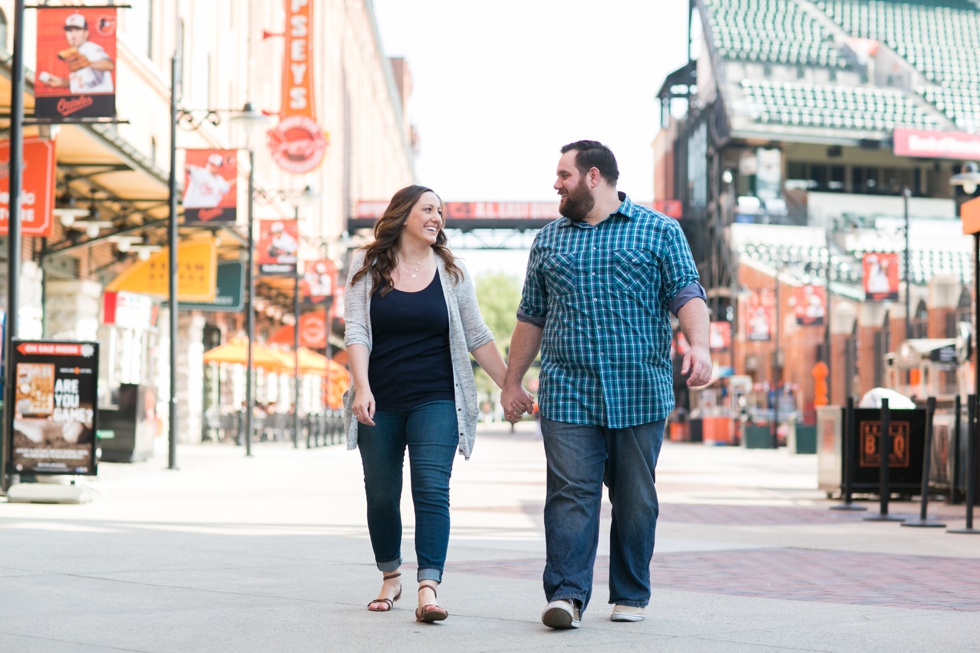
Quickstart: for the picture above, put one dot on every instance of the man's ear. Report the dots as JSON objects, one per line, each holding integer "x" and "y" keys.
{"x": 594, "y": 176}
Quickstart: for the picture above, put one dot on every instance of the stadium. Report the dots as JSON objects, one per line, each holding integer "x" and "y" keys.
{"x": 818, "y": 155}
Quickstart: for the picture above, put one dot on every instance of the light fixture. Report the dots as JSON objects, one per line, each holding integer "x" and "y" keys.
{"x": 251, "y": 118}
{"x": 145, "y": 251}
{"x": 125, "y": 243}
{"x": 968, "y": 178}
{"x": 307, "y": 197}
{"x": 67, "y": 211}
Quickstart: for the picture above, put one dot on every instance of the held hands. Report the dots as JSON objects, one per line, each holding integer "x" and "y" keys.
{"x": 697, "y": 366}
{"x": 516, "y": 400}
{"x": 364, "y": 407}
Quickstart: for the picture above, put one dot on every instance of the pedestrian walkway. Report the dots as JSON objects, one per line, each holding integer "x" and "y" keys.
{"x": 270, "y": 553}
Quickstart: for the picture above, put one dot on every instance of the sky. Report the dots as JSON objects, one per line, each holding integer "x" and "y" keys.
{"x": 499, "y": 87}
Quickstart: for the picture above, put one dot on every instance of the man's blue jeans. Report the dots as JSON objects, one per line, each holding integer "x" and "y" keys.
{"x": 430, "y": 432}
{"x": 580, "y": 458}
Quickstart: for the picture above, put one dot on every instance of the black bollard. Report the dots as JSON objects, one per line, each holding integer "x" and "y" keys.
{"x": 849, "y": 452}
{"x": 971, "y": 468}
{"x": 923, "y": 521}
{"x": 884, "y": 453}
{"x": 954, "y": 497}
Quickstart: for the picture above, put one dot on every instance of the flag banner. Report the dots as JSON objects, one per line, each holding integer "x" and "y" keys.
{"x": 209, "y": 182}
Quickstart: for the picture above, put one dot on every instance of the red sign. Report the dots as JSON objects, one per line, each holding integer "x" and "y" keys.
{"x": 76, "y": 69}
{"x": 809, "y": 305}
{"x": 758, "y": 314}
{"x": 881, "y": 277}
{"x": 670, "y": 208}
{"x": 209, "y": 182}
{"x": 936, "y": 145}
{"x": 311, "y": 332}
{"x": 719, "y": 336}
{"x": 319, "y": 280}
{"x": 278, "y": 246}
{"x": 298, "y": 143}
{"x": 501, "y": 210}
{"x": 37, "y": 190}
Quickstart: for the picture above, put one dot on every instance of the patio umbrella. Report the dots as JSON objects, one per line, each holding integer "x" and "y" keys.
{"x": 235, "y": 352}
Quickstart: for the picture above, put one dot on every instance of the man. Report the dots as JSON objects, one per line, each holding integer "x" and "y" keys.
{"x": 600, "y": 282}
{"x": 205, "y": 185}
{"x": 283, "y": 245}
{"x": 90, "y": 68}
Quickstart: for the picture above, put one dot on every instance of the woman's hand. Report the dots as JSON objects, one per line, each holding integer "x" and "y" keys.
{"x": 364, "y": 407}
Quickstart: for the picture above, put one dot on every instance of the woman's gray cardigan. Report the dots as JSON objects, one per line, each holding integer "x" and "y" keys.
{"x": 467, "y": 332}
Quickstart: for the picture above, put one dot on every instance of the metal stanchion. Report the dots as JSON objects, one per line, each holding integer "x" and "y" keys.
{"x": 971, "y": 468}
{"x": 923, "y": 521}
{"x": 954, "y": 498}
{"x": 848, "y": 457}
{"x": 884, "y": 452}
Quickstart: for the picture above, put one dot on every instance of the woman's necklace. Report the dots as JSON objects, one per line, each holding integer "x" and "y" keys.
{"x": 414, "y": 272}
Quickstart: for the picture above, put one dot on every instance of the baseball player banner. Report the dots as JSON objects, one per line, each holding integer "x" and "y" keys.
{"x": 209, "y": 182}
{"x": 37, "y": 188}
{"x": 319, "y": 279}
{"x": 881, "y": 277}
{"x": 298, "y": 143}
{"x": 55, "y": 414}
{"x": 76, "y": 63}
{"x": 278, "y": 246}
{"x": 758, "y": 310}
{"x": 809, "y": 305}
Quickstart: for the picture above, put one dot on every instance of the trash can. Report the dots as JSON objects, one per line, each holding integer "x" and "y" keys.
{"x": 757, "y": 437}
{"x": 802, "y": 438}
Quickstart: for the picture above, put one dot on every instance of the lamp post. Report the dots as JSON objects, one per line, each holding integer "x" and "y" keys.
{"x": 172, "y": 244}
{"x": 968, "y": 179}
{"x": 13, "y": 230}
{"x": 906, "y": 194}
{"x": 776, "y": 370}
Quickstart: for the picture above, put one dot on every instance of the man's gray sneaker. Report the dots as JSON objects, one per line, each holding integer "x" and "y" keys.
{"x": 628, "y": 613}
{"x": 561, "y": 614}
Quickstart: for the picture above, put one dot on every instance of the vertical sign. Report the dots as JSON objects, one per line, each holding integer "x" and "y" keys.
{"x": 881, "y": 277}
{"x": 37, "y": 193}
{"x": 809, "y": 305}
{"x": 209, "y": 180}
{"x": 298, "y": 143}
{"x": 55, "y": 412}
{"x": 318, "y": 280}
{"x": 758, "y": 315}
{"x": 76, "y": 63}
{"x": 278, "y": 245}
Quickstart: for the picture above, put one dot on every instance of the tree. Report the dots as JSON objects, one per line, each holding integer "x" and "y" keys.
{"x": 499, "y": 295}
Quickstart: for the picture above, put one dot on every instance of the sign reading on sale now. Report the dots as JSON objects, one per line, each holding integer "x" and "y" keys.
{"x": 37, "y": 189}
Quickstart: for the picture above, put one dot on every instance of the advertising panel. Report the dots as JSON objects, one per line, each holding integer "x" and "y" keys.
{"x": 936, "y": 145}
{"x": 319, "y": 278}
{"x": 209, "y": 182}
{"x": 55, "y": 414}
{"x": 276, "y": 251}
{"x": 76, "y": 69}
{"x": 37, "y": 188}
{"x": 809, "y": 305}
{"x": 719, "y": 336}
{"x": 880, "y": 276}
{"x": 758, "y": 312}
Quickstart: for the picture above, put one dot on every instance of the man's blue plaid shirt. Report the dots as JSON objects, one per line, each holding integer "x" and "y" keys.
{"x": 603, "y": 293}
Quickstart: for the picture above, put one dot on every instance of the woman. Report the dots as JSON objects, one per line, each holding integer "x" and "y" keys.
{"x": 412, "y": 321}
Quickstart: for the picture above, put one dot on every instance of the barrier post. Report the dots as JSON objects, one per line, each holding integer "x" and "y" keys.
{"x": 954, "y": 497}
{"x": 923, "y": 520}
{"x": 971, "y": 468}
{"x": 848, "y": 457}
{"x": 884, "y": 453}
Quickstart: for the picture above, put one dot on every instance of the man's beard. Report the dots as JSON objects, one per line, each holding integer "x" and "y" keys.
{"x": 577, "y": 205}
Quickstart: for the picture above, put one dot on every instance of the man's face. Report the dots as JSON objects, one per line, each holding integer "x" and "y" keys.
{"x": 577, "y": 200}
{"x": 76, "y": 36}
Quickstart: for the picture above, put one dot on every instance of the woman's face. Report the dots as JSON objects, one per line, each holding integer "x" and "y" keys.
{"x": 424, "y": 222}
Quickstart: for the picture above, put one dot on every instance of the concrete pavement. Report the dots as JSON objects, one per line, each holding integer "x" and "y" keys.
{"x": 270, "y": 553}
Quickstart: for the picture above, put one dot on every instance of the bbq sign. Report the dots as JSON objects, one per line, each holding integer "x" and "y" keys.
{"x": 298, "y": 143}
{"x": 55, "y": 414}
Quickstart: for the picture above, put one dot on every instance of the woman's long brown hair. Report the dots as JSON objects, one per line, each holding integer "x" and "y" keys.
{"x": 380, "y": 257}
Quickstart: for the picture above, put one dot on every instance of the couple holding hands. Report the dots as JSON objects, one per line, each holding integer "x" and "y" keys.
{"x": 601, "y": 282}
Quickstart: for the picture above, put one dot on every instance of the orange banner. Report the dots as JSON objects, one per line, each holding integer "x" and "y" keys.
{"x": 76, "y": 69}
{"x": 197, "y": 273}
{"x": 880, "y": 277}
{"x": 209, "y": 182}
{"x": 37, "y": 187}
{"x": 319, "y": 279}
{"x": 298, "y": 143}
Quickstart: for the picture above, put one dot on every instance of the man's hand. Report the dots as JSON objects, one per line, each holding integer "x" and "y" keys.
{"x": 697, "y": 366}
{"x": 515, "y": 400}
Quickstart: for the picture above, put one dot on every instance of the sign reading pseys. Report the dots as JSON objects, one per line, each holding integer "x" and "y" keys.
{"x": 55, "y": 415}
{"x": 37, "y": 189}
{"x": 76, "y": 63}
{"x": 209, "y": 180}
{"x": 298, "y": 143}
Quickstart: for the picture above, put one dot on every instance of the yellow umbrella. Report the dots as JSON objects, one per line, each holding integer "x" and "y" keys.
{"x": 235, "y": 352}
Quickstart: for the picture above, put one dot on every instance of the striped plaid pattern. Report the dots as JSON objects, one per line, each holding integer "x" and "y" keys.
{"x": 604, "y": 293}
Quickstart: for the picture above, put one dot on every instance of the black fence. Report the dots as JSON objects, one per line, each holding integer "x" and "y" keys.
{"x": 317, "y": 429}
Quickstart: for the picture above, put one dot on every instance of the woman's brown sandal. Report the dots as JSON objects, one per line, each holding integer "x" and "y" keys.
{"x": 386, "y": 602}
{"x": 430, "y": 611}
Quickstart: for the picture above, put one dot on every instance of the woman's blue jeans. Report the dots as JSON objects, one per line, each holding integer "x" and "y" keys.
{"x": 430, "y": 432}
{"x": 580, "y": 458}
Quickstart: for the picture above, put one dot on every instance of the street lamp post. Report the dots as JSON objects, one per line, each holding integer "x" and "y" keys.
{"x": 906, "y": 193}
{"x": 250, "y": 305}
{"x": 172, "y": 259}
{"x": 776, "y": 371}
{"x": 296, "y": 347}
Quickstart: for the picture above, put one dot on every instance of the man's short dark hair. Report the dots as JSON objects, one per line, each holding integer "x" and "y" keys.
{"x": 593, "y": 154}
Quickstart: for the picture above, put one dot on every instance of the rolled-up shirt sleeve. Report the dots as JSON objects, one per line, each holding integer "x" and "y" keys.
{"x": 686, "y": 294}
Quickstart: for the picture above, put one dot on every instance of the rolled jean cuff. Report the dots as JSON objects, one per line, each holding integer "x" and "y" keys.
{"x": 390, "y": 565}
{"x": 430, "y": 574}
